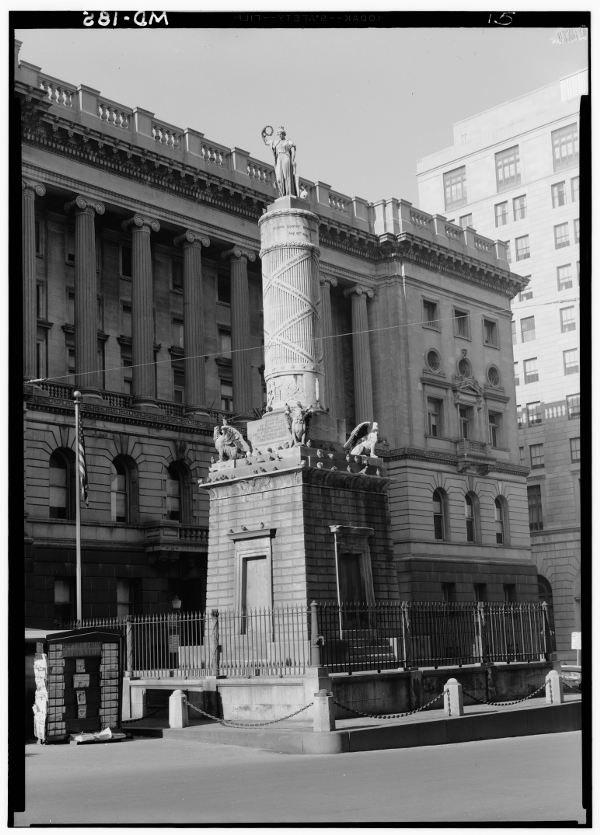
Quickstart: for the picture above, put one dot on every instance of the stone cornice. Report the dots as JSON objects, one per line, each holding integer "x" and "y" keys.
{"x": 450, "y": 459}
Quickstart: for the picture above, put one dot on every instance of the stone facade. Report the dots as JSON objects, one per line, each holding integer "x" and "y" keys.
{"x": 516, "y": 173}
{"x": 406, "y": 300}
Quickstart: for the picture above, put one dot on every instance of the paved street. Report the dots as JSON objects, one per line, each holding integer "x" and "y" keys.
{"x": 535, "y": 778}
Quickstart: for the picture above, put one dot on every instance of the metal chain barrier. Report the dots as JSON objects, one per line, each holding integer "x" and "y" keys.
{"x": 257, "y": 724}
{"x": 504, "y": 704}
{"x": 389, "y": 715}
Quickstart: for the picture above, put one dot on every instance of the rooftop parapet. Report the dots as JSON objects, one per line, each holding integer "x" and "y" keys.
{"x": 138, "y": 127}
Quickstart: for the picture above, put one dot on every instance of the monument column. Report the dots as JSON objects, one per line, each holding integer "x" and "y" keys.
{"x": 240, "y": 328}
{"x": 361, "y": 353}
{"x": 328, "y": 397}
{"x": 86, "y": 299}
{"x": 29, "y": 191}
{"x": 142, "y": 317}
{"x": 193, "y": 316}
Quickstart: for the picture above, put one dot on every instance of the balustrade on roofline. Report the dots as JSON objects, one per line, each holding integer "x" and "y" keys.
{"x": 382, "y": 217}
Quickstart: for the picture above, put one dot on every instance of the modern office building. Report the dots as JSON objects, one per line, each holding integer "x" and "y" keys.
{"x": 513, "y": 172}
{"x": 142, "y": 289}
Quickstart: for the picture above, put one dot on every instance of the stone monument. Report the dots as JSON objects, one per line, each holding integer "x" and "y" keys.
{"x": 295, "y": 516}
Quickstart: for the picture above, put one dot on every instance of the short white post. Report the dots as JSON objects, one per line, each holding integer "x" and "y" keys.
{"x": 323, "y": 712}
{"x": 178, "y": 709}
{"x": 554, "y": 688}
{"x": 453, "y": 698}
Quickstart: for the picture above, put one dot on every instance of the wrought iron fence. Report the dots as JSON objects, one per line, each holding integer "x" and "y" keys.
{"x": 344, "y": 638}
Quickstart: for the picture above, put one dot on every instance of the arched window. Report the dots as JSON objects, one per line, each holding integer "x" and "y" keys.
{"x": 501, "y": 520}
{"x": 179, "y": 493}
{"x": 440, "y": 526}
{"x": 472, "y": 517}
{"x": 62, "y": 484}
{"x": 123, "y": 490}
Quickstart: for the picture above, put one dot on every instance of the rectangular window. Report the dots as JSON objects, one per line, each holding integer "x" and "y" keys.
{"x": 530, "y": 370}
{"x": 430, "y": 313}
{"x": 224, "y": 288}
{"x": 561, "y": 235}
{"x": 528, "y": 329}
{"x": 126, "y": 261}
{"x": 573, "y": 407}
{"x": 565, "y": 147}
{"x": 178, "y": 381}
{"x": 522, "y": 248}
{"x": 508, "y": 255}
{"x": 177, "y": 275}
{"x": 526, "y": 294}
{"x": 127, "y": 597}
{"x": 516, "y": 367}
{"x": 510, "y": 593}
{"x": 490, "y": 333}
{"x": 70, "y": 305}
{"x": 571, "y": 361}
{"x": 534, "y": 502}
{"x": 501, "y": 213}
{"x": 563, "y": 277}
{"x": 567, "y": 319}
{"x": 465, "y": 416}
{"x": 519, "y": 207}
{"x": 434, "y": 416}
{"x": 495, "y": 429}
{"x": 575, "y": 189}
{"x": 522, "y": 455}
{"x": 64, "y": 600}
{"x": 461, "y": 323}
{"x": 455, "y": 187}
{"x": 575, "y": 445}
{"x": 177, "y": 333}
{"x": 536, "y": 456}
{"x": 480, "y": 591}
{"x": 559, "y": 194}
{"x": 226, "y": 396}
{"x": 534, "y": 413}
{"x": 465, "y": 220}
{"x": 225, "y": 343}
{"x": 576, "y": 230}
{"x": 69, "y": 247}
{"x": 126, "y": 363}
{"x": 41, "y": 304}
{"x": 449, "y": 592}
{"x": 40, "y": 236}
{"x": 507, "y": 168}
{"x": 125, "y": 319}
{"x": 41, "y": 353}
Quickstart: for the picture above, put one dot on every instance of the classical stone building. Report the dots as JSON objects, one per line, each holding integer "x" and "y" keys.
{"x": 513, "y": 172}
{"x": 142, "y": 288}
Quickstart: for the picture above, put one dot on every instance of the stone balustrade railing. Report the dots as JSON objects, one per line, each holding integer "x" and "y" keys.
{"x": 384, "y": 217}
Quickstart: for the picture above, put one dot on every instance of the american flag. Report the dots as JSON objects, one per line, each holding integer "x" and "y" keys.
{"x": 83, "y": 479}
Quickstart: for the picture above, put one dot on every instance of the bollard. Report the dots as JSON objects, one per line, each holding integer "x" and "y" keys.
{"x": 178, "y": 709}
{"x": 554, "y": 689}
{"x": 453, "y": 698}
{"x": 323, "y": 712}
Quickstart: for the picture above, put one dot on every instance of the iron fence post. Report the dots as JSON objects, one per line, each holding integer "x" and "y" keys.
{"x": 128, "y": 646}
{"x": 545, "y": 629}
{"x": 216, "y": 649}
{"x": 479, "y": 630}
{"x": 316, "y": 640}
{"x": 405, "y": 625}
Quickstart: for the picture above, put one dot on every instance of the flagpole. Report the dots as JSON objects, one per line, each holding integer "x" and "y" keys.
{"x": 77, "y": 395}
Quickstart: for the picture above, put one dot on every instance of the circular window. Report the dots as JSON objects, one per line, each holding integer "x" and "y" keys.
{"x": 493, "y": 376}
{"x": 464, "y": 367}
{"x": 433, "y": 360}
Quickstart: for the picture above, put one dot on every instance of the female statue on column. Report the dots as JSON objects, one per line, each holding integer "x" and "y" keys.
{"x": 284, "y": 152}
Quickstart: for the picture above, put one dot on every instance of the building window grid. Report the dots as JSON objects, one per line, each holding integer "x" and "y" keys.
{"x": 536, "y": 456}
{"x": 501, "y": 214}
{"x": 500, "y": 522}
{"x": 434, "y": 417}
{"x": 430, "y": 314}
{"x": 490, "y": 333}
{"x": 519, "y": 207}
{"x": 575, "y": 449}
{"x": 576, "y": 230}
{"x": 534, "y": 502}
{"x": 530, "y": 370}
{"x": 534, "y": 413}
{"x": 495, "y": 429}
{"x": 567, "y": 319}
{"x": 563, "y": 277}
{"x": 565, "y": 146}
{"x": 571, "y": 361}
{"x": 559, "y": 194}
{"x": 507, "y": 168}
{"x": 561, "y": 235}
{"x": 575, "y": 189}
{"x": 465, "y": 220}
{"x": 573, "y": 406}
{"x": 462, "y": 326}
{"x": 522, "y": 250}
{"x": 455, "y": 187}
{"x": 527, "y": 294}
{"x": 528, "y": 329}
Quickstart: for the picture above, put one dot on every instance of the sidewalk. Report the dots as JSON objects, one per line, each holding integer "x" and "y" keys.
{"x": 430, "y": 727}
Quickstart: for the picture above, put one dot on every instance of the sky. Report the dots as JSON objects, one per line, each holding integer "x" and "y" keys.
{"x": 363, "y": 105}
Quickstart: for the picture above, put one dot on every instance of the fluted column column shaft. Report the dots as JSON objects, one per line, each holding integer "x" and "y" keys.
{"x": 328, "y": 399}
{"x": 193, "y": 318}
{"x": 86, "y": 300}
{"x": 361, "y": 353}
{"x": 142, "y": 318}
{"x": 240, "y": 333}
{"x": 29, "y": 191}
